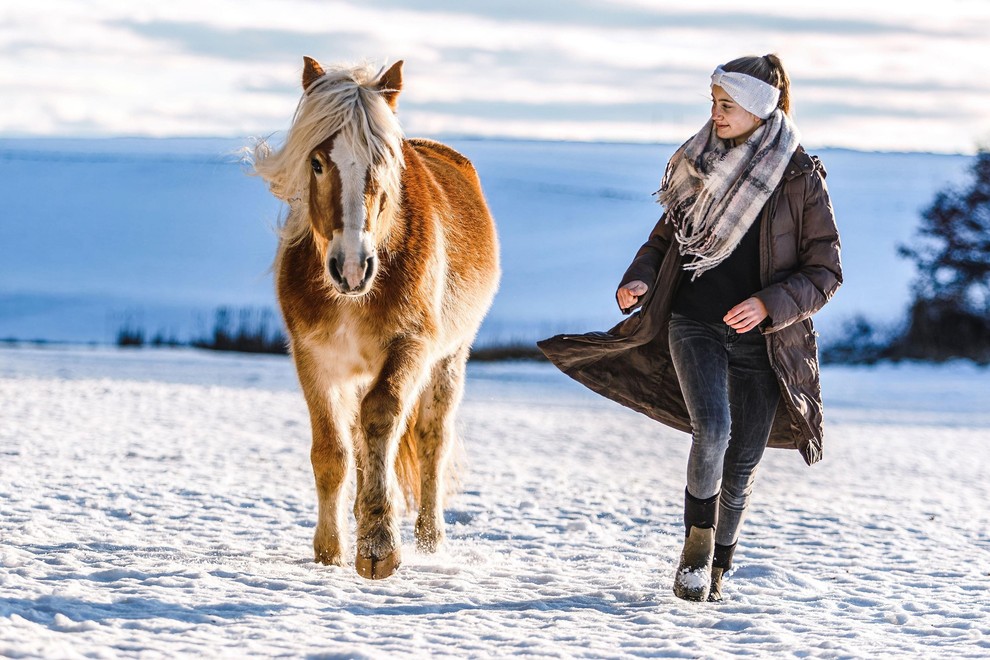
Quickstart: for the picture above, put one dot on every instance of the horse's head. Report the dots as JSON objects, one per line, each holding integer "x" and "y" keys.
{"x": 340, "y": 169}
{"x": 353, "y": 184}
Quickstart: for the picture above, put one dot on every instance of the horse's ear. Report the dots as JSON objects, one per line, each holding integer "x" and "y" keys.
{"x": 390, "y": 84}
{"x": 311, "y": 72}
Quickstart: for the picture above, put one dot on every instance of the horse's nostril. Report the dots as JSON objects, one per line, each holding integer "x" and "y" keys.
{"x": 369, "y": 266}
{"x": 335, "y": 270}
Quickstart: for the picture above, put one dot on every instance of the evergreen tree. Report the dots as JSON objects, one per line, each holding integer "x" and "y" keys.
{"x": 950, "y": 314}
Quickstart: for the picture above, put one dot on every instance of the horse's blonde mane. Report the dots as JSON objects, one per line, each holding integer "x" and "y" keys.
{"x": 347, "y": 100}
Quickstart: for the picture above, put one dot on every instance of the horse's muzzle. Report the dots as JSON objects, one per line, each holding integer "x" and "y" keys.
{"x": 353, "y": 279}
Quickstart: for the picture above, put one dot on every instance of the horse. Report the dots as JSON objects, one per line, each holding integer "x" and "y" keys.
{"x": 387, "y": 263}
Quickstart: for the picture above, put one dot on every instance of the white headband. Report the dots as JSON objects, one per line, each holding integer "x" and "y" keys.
{"x": 751, "y": 93}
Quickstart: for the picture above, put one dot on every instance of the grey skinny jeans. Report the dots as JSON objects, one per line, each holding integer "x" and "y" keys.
{"x": 731, "y": 394}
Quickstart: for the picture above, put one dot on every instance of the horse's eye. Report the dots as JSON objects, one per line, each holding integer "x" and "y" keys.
{"x": 317, "y": 166}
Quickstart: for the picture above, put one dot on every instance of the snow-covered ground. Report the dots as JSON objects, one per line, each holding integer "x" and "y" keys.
{"x": 160, "y": 504}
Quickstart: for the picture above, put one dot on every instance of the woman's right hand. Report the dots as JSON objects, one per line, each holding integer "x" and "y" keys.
{"x": 629, "y": 294}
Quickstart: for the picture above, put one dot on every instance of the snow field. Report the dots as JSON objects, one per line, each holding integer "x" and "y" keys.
{"x": 150, "y": 511}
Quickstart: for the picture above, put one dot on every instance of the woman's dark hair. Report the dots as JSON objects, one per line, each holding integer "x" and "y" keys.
{"x": 770, "y": 70}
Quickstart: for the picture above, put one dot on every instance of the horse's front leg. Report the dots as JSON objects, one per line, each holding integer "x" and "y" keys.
{"x": 330, "y": 455}
{"x": 383, "y": 418}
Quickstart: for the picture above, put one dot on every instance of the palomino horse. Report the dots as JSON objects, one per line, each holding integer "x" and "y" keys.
{"x": 387, "y": 263}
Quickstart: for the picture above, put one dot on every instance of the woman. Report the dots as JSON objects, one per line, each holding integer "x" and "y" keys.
{"x": 746, "y": 251}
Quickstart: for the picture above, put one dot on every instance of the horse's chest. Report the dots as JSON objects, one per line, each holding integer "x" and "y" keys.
{"x": 345, "y": 351}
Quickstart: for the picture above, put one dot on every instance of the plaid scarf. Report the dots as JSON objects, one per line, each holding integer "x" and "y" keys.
{"x": 713, "y": 192}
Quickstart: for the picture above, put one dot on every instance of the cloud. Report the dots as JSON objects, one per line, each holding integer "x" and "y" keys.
{"x": 586, "y": 69}
{"x": 839, "y": 110}
{"x": 881, "y": 85}
{"x": 249, "y": 44}
{"x": 548, "y": 111}
{"x": 650, "y": 16}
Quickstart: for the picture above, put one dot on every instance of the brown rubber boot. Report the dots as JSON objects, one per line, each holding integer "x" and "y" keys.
{"x": 721, "y": 563}
{"x": 693, "y": 578}
{"x": 715, "y": 590}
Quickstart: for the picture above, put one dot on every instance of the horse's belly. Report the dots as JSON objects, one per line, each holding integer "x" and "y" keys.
{"x": 465, "y": 306}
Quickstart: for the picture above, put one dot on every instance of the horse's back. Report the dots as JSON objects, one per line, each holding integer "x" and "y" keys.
{"x": 452, "y": 190}
{"x": 432, "y": 149}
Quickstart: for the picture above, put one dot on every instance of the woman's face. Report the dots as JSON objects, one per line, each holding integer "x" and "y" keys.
{"x": 732, "y": 122}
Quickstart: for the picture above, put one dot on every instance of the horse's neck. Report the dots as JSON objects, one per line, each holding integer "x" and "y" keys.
{"x": 407, "y": 212}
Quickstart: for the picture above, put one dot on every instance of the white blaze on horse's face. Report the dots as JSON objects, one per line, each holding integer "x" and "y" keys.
{"x": 344, "y": 209}
{"x": 352, "y": 259}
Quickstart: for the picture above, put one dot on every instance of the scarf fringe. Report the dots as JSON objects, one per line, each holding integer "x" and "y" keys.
{"x": 713, "y": 193}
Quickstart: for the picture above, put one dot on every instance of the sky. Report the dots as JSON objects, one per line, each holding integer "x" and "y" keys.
{"x": 865, "y": 75}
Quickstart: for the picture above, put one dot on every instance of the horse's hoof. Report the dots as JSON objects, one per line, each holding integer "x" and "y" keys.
{"x": 428, "y": 537}
{"x": 428, "y": 546}
{"x": 377, "y": 569}
{"x": 329, "y": 558}
{"x": 327, "y": 550}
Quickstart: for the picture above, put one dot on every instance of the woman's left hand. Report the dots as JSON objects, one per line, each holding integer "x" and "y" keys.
{"x": 746, "y": 315}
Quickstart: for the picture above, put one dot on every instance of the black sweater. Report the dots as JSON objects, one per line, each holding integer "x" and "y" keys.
{"x": 718, "y": 290}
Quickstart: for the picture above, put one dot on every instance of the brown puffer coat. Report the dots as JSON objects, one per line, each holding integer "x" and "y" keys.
{"x": 800, "y": 271}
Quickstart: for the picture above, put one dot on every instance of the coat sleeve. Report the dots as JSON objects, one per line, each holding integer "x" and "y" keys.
{"x": 646, "y": 264}
{"x": 819, "y": 271}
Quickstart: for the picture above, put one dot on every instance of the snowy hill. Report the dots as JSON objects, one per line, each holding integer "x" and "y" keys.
{"x": 160, "y": 504}
{"x": 98, "y": 233}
